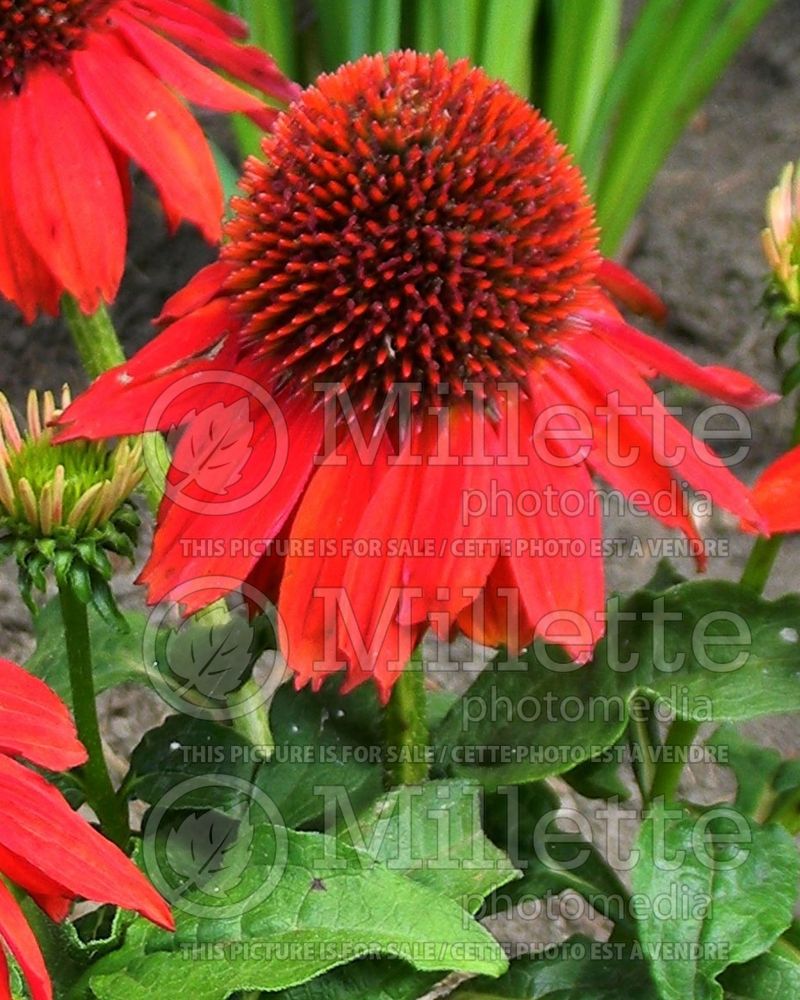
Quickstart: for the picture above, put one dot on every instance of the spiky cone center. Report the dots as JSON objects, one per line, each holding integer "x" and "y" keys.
{"x": 414, "y": 222}
{"x": 781, "y": 238}
{"x": 66, "y": 491}
{"x": 33, "y": 32}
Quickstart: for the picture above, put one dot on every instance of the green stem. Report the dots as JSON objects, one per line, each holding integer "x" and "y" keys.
{"x": 254, "y": 725}
{"x": 94, "y": 337}
{"x": 670, "y": 767}
{"x": 99, "y": 349}
{"x": 760, "y": 562}
{"x": 111, "y": 811}
{"x": 406, "y": 723}
{"x": 644, "y": 762}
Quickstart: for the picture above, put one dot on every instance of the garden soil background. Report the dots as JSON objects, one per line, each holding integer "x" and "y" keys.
{"x": 696, "y": 242}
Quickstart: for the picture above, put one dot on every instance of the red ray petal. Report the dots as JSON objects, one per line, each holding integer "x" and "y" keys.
{"x": 39, "y": 826}
{"x": 234, "y": 495}
{"x": 25, "y": 278}
{"x": 191, "y": 79}
{"x": 630, "y": 291}
{"x": 142, "y": 117}
{"x": 64, "y": 175}
{"x": 46, "y": 893}
{"x": 775, "y": 493}
{"x": 35, "y": 723}
{"x": 714, "y": 380}
{"x": 498, "y": 616}
{"x": 327, "y": 519}
{"x": 22, "y": 944}
{"x": 209, "y": 12}
{"x": 195, "y": 293}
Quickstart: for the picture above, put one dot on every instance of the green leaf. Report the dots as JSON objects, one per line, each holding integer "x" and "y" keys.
{"x": 382, "y": 979}
{"x": 553, "y": 856}
{"x": 714, "y": 650}
{"x": 323, "y": 741}
{"x": 599, "y": 777}
{"x": 581, "y": 970}
{"x": 117, "y": 656}
{"x": 433, "y": 833}
{"x": 755, "y": 768}
{"x": 185, "y": 748}
{"x": 774, "y": 975}
{"x": 732, "y": 885}
{"x": 298, "y": 904}
{"x": 520, "y": 721}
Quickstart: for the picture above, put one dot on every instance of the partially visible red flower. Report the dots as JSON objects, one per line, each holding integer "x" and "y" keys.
{"x": 86, "y": 87}
{"x": 46, "y": 848}
{"x": 776, "y": 494}
{"x": 418, "y": 258}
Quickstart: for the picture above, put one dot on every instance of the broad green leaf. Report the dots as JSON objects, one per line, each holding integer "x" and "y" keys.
{"x": 116, "y": 656}
{"x": 774, "y": 975}
{"x": 581, "y": 970}
{"x": 302, "y": 904}
{"x": 715, "y": 650}
{"x": 547, "y": 843}
{"x": 523, "y": 719}
{"x": 185, "y": 748}
{"x": 382, "y": 979}
{"x": 599, "y": 778}
{"x": 733, "y": 887}
{"x": 432, "y": 832}
{"x": 754, "y": 766}
{"x": 325, "y": 745}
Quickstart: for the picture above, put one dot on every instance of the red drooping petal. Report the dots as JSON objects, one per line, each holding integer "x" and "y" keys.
{"x": 25, "y": 278}
{"x": 66, "y": 179}
{"x": 775, "y": 493}
{"x": 498, "y": 616}
{"x": 194, "y": 81}
{"x": 35, "y": 723}
{"x": 714, "y": 380}
{"x": 556, "y": 543}
{"x": 235, "y": 478}
{"x": 142, "y": 117}
{"x": 311, "y": 588}
{"x": 197, "y": 292}
{"x": 46, "y": 893}
{"x": 20, "y": 941}
{"x": 158, "y": 387}
{"x": 648, "y": 485}
{"x": 220, "y": 19}
{"x": 668, "y": 443}
{"x": 630, "y": 290}
{"x": 38, "y": 825}
{"x": 244, "y": 62}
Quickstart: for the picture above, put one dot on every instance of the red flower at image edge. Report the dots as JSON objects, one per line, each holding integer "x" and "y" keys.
{"x": 46, "y": 848}
{"x": 775, "y": 494}
{"x": 419, "y": 252}
{"x": 86, "y": 87}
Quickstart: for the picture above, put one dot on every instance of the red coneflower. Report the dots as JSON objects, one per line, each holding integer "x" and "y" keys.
{"x": 45, "y": 848}
{"x": 410, "y": 288}
{"x": 86, "y": 87}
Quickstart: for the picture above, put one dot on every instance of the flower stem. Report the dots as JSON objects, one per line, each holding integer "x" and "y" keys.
{"x": 760, "y": 562}
{"x": 110, "y": 810}
{"x": 94, "y": 337}
{"x": 670, "y": 767}
{"x": 99, "y": 349}
{"x": 406, "y": 725}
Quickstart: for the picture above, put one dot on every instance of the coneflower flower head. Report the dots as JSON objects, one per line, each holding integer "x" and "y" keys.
{"x": 64, "y": 506}
{"x": 418, "y": 250}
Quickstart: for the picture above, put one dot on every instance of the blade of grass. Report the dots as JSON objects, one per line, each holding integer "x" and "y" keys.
{"x": 386, "y": 21}
{"x": 644, "y": 132}
{"x": 505, "y": 49}
{"x": 457, "y": 23}
{"x": 345, "y": 29}
{"x": 272, "y": 28}
{"x": 648, "y": 31}
{"x": 580, "y": 58}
